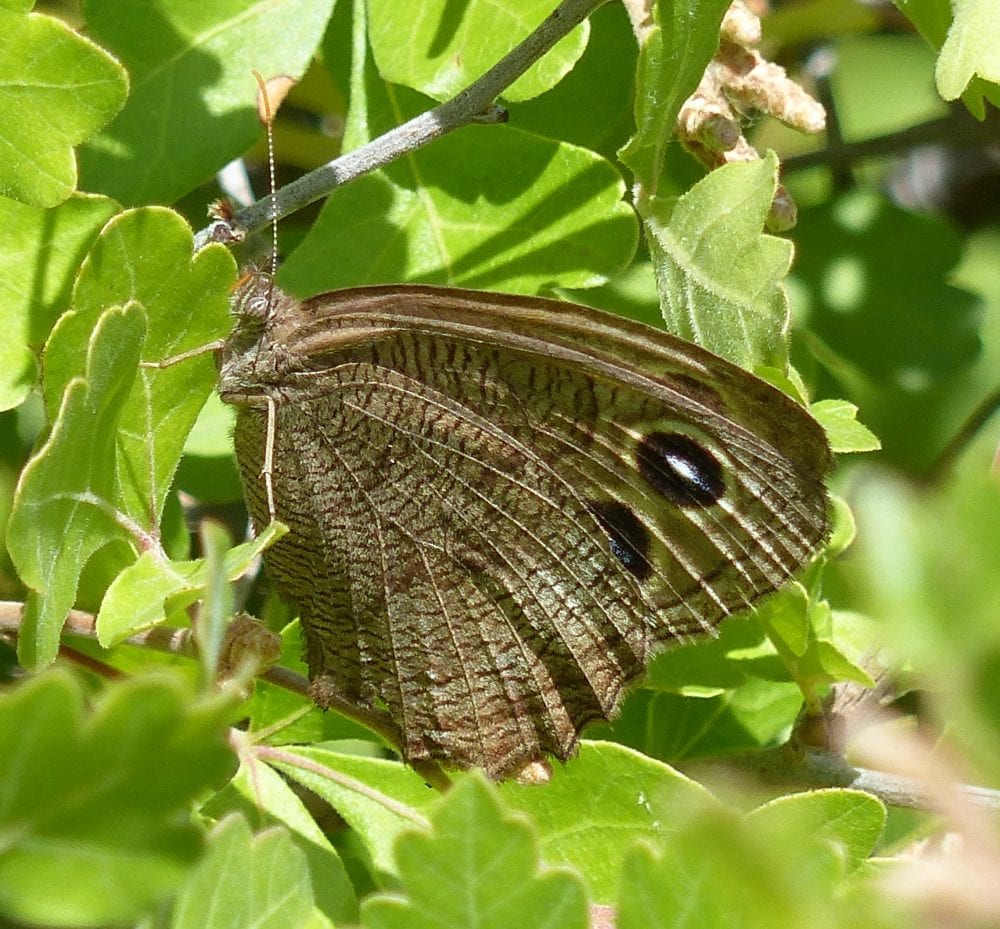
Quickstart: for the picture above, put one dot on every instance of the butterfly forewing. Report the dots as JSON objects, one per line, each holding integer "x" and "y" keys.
{"x": 500, "y": 506}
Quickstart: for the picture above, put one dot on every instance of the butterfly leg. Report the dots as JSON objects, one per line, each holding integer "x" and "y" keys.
{"x": 184, "y": 356}
{"x": 267, "y": 470}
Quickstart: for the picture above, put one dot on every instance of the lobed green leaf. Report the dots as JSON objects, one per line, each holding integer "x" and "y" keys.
{"x": 146, "y": 256}
{"x": 51, "y": 243}
{"x": 65, "y": 505}
{"x": 265, "y": 798}
{"x": 57, "y": 88}
{"x": 96, "y": 803}
{"x": 478, "y": 868}
{"x": 628, "y": 797}
{"x": 246, "y": 880}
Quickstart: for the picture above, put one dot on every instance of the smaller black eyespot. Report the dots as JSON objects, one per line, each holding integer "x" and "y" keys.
{"x": 678, "y": 467}
{"x": 629, "y": 538}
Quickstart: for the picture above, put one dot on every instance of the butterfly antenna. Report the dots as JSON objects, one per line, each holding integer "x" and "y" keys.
{"x": 266, "y": 114}
{"x": 267, "y": 118}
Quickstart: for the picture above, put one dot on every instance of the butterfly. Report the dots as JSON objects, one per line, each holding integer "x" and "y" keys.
{"x": 501, "y": 507}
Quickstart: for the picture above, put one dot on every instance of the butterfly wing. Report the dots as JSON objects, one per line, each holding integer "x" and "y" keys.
{"x": 500, "y": 507}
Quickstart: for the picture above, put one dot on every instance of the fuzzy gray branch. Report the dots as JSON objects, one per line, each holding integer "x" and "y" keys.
{"x": 806, "y": 768}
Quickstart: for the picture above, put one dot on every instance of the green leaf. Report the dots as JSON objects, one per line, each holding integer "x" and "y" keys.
{"x": 106, "y": 467}
{"x": 933, "y": 19}
{"x": 673, "y": 57}
{"x": 488, "y": 209}
{"x": 839, "y": 419}
{"x": 56, "y": 89}
{"x": 265, "y": 798}
{"x": 971, "y": 48}
{"x": 718, "y": 275}
{"x": 95, "y": 805}
{"x": 800, "y": 628}
{"x": 706, "y": 664}
{"x": 849, "y": 819}
{"x": 478, "y": 868}
{"x": 844, "y": 529}
{"x": 785, "y": 617}
{"x": 834, "y": 666}
{"x": 485, "y": 207}
{"x": 440, "y": 47}
{"x": 597, "y": 805}
{"x": 138, "y": 596}
{"x": 146, "y": 256}
{"x": 676, "y": 728}
{"x": 64, "y": 508}
{"x": 592, "y": 105}
{"x": 246, "y": 880}
{"x": 714, "y": 697}
{"x": 52, "y": 244}
{"x": 377, "y": 798}
{"x": 190, "y": 65}
{"x": 719, "y": 869}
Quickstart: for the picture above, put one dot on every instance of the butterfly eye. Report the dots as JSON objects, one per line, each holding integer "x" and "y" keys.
{"x": 255, "y": 306}
{"x": 680, "y": 469}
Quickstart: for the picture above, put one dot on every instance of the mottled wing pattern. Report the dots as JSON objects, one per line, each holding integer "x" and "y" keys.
{"x": 500, "y": 507}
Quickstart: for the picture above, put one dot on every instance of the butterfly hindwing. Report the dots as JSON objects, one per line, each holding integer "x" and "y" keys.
{"x": 499, "y": 507}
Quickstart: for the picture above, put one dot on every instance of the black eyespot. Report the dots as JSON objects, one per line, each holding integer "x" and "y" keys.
{"x": 629, "y": 538}
{"x": 683, "y": 471}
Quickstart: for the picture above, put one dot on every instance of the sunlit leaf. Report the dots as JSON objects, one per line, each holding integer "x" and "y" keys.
{"x": 478, "y": 867}
{"x": 57, "y": 88}
{"x": 95, "y": 803}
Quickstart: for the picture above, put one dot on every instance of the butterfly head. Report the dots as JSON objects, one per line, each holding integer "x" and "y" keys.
{"x": 252, "y": 300}
{"x": 249, "y": 356}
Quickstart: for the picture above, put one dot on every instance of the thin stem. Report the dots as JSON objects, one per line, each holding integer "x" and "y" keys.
{"x": 958, "y": 129}
{"x": 474, "y": 104}
{"x": 958, "y": 442}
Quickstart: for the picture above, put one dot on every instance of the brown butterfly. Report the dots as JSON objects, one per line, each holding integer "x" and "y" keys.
{"x": 502, "y": 506}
